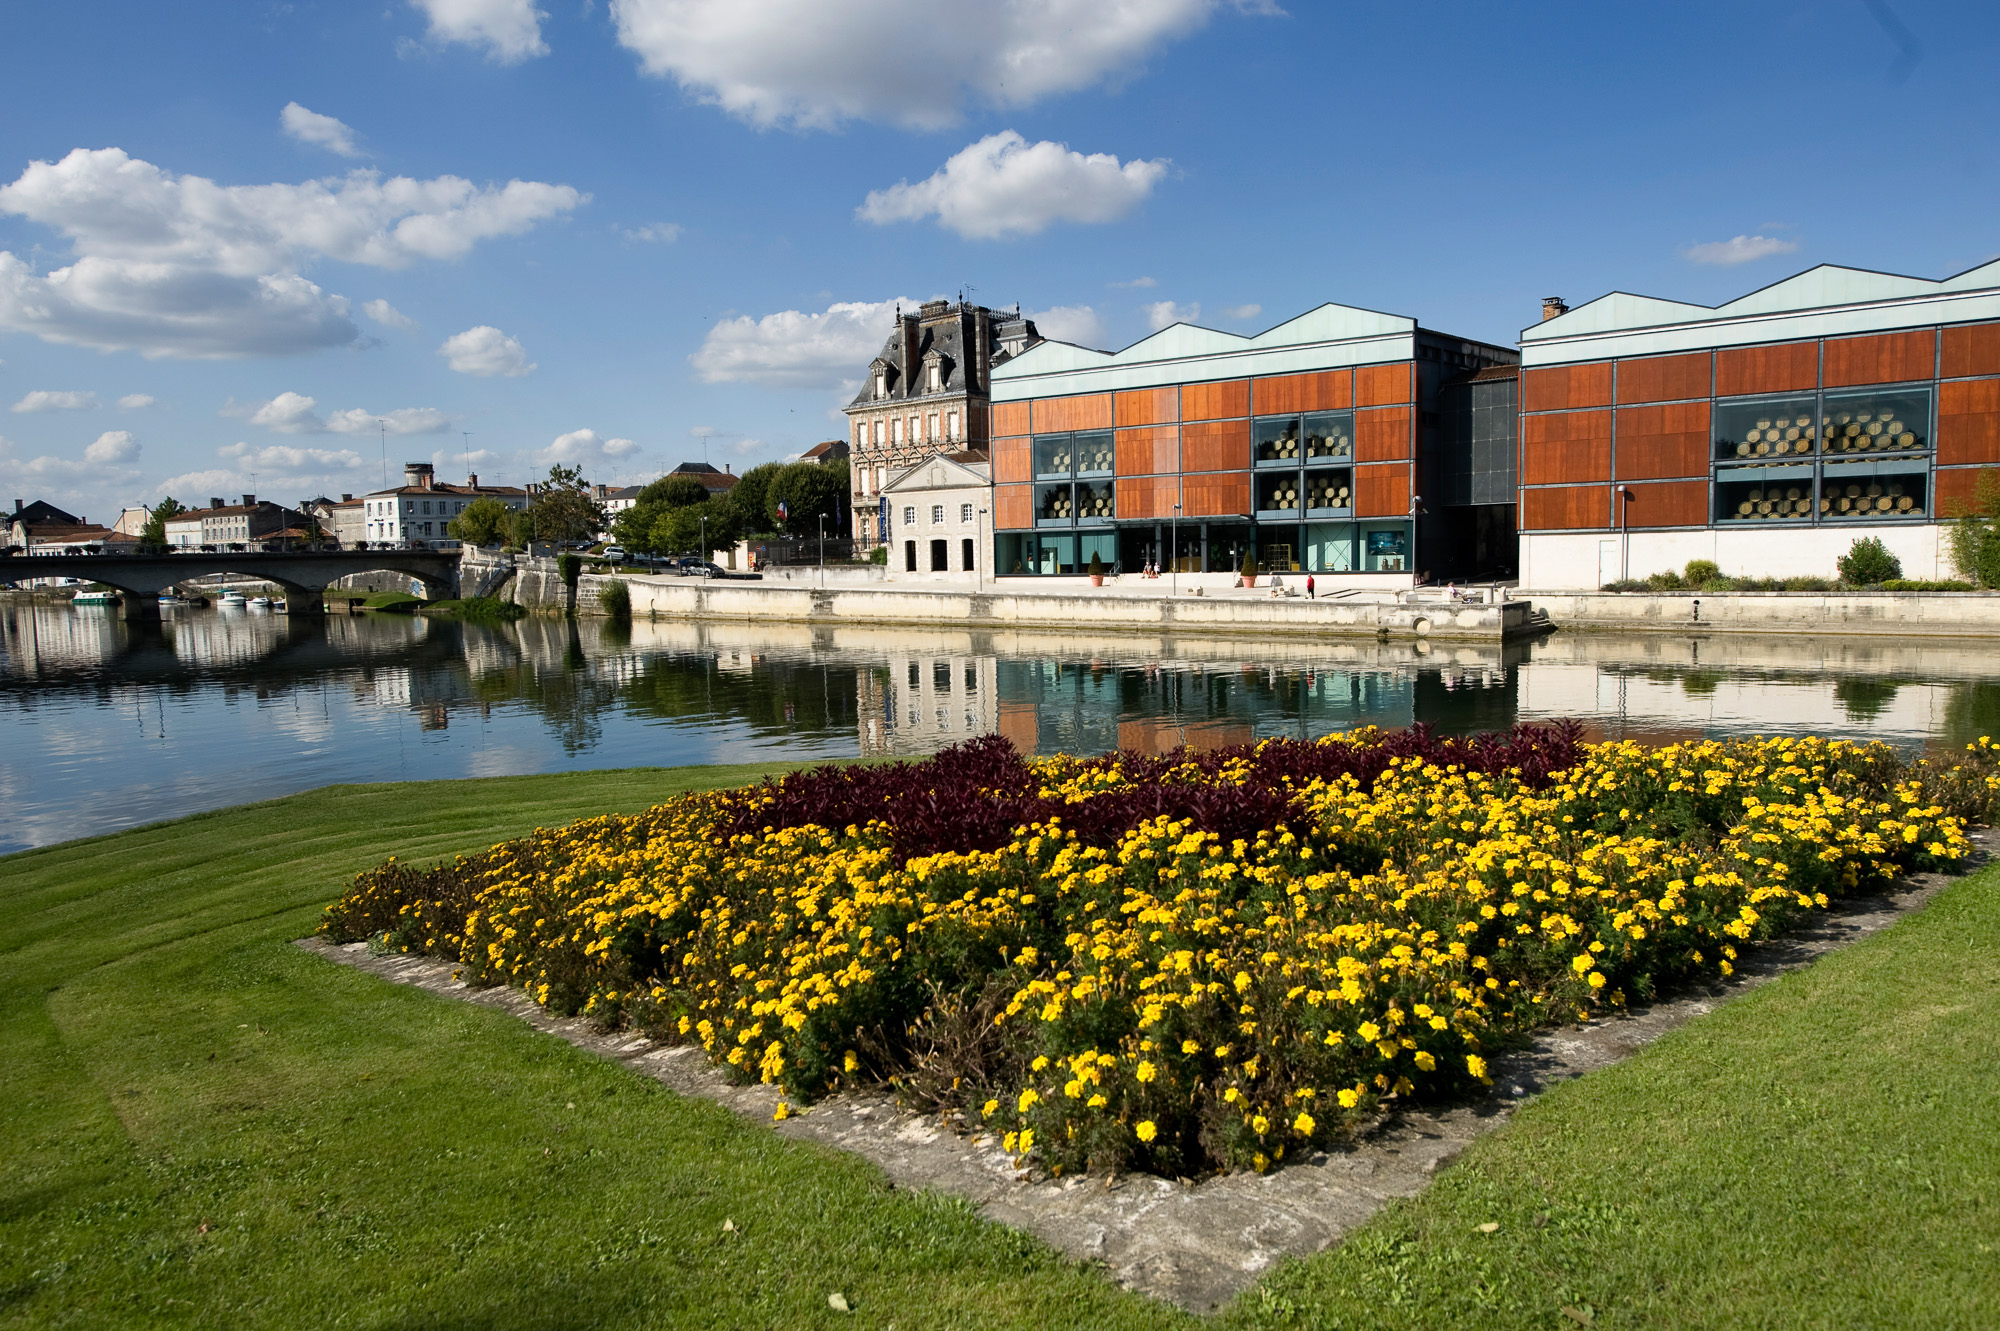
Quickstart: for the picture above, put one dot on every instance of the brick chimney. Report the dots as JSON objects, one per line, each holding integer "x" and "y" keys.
{"x": 472, "y": 480}
{"x": 346, "y": 498}
{"x": 249, "y": 501}
{"x": 418, "y": 475}
{"x": 1552, "y": 306}
{"x": 215, "y": 501}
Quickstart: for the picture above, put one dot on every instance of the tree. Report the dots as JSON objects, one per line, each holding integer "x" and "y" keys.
{"x": 749, "y": 498}
{"x": 633, "y": 528}
{"x": 807, "y": 490}
{"x": 1975, "y": 532}
{"x": 1868, "y": 562}
{"x": 485, "y": 521}
{"x": 563, "y": 510}
{"x": 674, "y": 492}
{"x": 678, "y": 529}
{"x": 153, "y": 536}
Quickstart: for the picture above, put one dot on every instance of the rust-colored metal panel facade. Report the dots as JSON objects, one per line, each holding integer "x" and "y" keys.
{"x": 1968, "y": 428}
{"x": 1327, "y": 390}
{"x": 1971, "y": 349}
{"x": 1147, "y": 406}
{"x": 1150, "y": 450}
{"x": 1566, "y": 446}
{"x": 1382, "y": 435}
{"x": 1215, "y": 445}
{"x": 1953, "y": 490}
{"x": 1382, "y": 491}
{"x": 1782, "y": 368}
{"x": 1215, "y": 402}
{"x": 1663, "y": 441}
{"x": 1888, "y": 358}
{"x": 1215, "y": 494}
{"x": 1148, "y": 496}
{"x": 1013, "y": 460}
{"x": 1566, "y": 387}
{"x": 1013, "y": 506}
{"x": 1010, "y": 418}
{"x": 1666, "y": 503}
{"x": 1384, "y": 385}
{"x": 1090, "y": 411}
{"x": 1666, "y": 378}
{"x": 1566, "y": 508}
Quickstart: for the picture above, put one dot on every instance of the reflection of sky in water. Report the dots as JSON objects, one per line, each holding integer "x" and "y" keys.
{"x": 107, "y": 728}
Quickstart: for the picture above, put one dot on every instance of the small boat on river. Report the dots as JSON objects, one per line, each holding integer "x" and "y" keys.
{"x": 232, "y": 598}
{"x": 100, "y": 596}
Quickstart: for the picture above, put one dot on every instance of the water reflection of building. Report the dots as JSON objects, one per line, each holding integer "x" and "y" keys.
{"x": 919, "y": 702}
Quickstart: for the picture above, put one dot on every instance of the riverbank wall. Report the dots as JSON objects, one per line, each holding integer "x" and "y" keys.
{"x": 1897, "y": 614}
{"x": 1245, "y": 612}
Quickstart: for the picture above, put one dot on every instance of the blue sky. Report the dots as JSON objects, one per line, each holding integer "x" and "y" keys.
{"x": 628, "y": 234}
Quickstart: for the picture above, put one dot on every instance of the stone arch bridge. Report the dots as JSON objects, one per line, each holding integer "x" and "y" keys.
{"x": 305, "y": 574}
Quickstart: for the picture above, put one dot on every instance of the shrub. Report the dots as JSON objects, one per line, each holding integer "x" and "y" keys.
{"x": 1869, "y": 562}
{"x": 1925, "y": 585}
{"x": 615, "y": 598}
{"x": 1669, "y": 581}
{"x": 1249, "y": 565}
{"x": 570, "y": 566}
{"x": 879, "y": 555}
{"x": 1185, "y": 962}
{"x": 1702, "y": 572}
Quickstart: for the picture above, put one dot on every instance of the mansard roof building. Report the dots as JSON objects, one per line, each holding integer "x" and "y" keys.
{"x": 926, "y": 394}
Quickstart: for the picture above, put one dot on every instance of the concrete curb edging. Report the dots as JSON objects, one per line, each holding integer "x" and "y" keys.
{"x": 1194, "y": 1244}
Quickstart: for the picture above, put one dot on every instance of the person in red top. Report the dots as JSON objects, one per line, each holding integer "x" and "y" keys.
{"x": 1310, "y": 594}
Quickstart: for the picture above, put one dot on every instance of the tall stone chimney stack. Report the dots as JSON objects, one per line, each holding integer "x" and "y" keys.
{"x": 1552, "y": 306}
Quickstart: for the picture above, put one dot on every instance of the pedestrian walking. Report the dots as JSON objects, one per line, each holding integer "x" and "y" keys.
{"x": 1311, "y": 595}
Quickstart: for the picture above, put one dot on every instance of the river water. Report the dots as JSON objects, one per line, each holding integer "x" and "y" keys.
{"x": 108, "y": 726}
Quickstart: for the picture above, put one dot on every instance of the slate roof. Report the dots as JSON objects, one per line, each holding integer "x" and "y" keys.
{"x": 950, "y": 331}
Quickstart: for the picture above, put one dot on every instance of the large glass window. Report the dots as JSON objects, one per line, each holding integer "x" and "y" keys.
{"x": 1095, "y": 503}
{"x": 1055, "y": 505}
{"x": 1278, "y": 492}
{"x": 1329, "y": 434}
{"x": 1103, "y": 544}
{"x": 1227, "y": 544}
{"x": 1884, "y": 420}
{"x": 1763, "y": 428}
{"x": 1850, "y": 455}
{"x": 1330, "y": 490}
{"x": 1278, "y": 549}
{"x": 1095, "y": 455}
{"x": 1866, "y": 489}
{"x": 1275, "y": 441}
{"x": 1053, "y": 455}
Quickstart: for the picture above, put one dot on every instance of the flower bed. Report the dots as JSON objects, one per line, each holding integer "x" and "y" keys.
{"x": 1186, "y": 963}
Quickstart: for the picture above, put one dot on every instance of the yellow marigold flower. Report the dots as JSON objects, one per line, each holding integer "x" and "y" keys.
{"x": 1303, "y": 1124}
{"x": 1597, "y": 979}
{"x": 1349, "y": 1098}
{"x": 989, "y": 1108}
{"x": 1147, "y": 1130}
{"x": 1145, "y": 1071}
{"x": 1029, "y": 1099}
{"x": 782, "y": 1112}
{"x": 1476, "y": 1066}
{"x": 850, "y": 1064}
{"x": 1424, "y": 1060}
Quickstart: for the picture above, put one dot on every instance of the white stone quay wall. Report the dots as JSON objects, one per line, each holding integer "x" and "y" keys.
{"x": 1086, "y": 609}
{"x": 1926, "y": 614}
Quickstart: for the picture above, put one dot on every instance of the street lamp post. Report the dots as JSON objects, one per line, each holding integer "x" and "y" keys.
{"x": 705, "y": 551}
{"x": 822, "y": 549}
{"x": 1174, "y": 554}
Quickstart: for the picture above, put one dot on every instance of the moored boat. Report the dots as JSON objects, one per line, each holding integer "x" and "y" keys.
{"x": 100, "y": 596}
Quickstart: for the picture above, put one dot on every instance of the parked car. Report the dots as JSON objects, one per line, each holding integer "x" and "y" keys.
{"x": 615, "y": 553}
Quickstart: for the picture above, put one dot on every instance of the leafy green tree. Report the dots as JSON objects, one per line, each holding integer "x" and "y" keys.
{"x": 677, "y": 530}
{"x": 153, "y": 536}
{"x": 563, "y": 510}
{"x": 1975, "y": 532}
{"x": 1868, "y": 562}
{"x": 807, "y": 490}
{"x": 485, "y": 521}
{"x": 674, "y": 492}
{"x": 633, "y": 528}
{"x": 749, "y": 498}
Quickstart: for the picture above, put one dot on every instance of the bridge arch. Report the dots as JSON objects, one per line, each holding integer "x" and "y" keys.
{"x": 304, "y": 575}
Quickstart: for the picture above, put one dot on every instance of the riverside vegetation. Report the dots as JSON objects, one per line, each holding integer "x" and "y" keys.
{"x": 1187, "y": 963}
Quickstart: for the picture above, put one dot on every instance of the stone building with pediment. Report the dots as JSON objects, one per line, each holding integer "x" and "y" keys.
{"x": 939, "y": 523}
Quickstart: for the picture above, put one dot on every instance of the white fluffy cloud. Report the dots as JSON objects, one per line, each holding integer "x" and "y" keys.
{"x": 794, "y": 349}
{"x": 508, "y": 31}
{"x": 290, "y": 458}
{"x": 134, "y": 401}
{"x": 1166, "y": 313}
{"x": 1070, "y": 323}
{"x": 181, "y": 266}
{"x": 382, "y": 312}
{"x": 655, "y": 233}
{"x": 1135, "y": 284}
{"x": 1005, "y": 186}
{"x": 43, "y": 399}
{"x": 295, "y": 413}
{"x": 318, "y": 130}
{"x": 112, "y": 448}
{"x": 1241, "y": 312}
{"x": 1740, "y": 249}
{"x": 586, "y": 446}
{"x": 485, "y": 351}
{"x": 909, "y": 62}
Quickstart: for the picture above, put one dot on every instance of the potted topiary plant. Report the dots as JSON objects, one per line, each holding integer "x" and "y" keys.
{"x": 1249, "y": 567}
{"x": 1096, "y": 569}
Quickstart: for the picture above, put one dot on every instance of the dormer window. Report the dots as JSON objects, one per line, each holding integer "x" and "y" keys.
{"x": 882, "y": 371}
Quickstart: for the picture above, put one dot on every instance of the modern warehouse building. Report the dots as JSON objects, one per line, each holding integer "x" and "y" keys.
{"x": 1309, "y": 448}
{"x": 1765, "y": 434}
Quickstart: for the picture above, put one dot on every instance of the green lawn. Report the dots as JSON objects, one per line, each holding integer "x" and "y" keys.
{"x": 204, "y": 1124}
